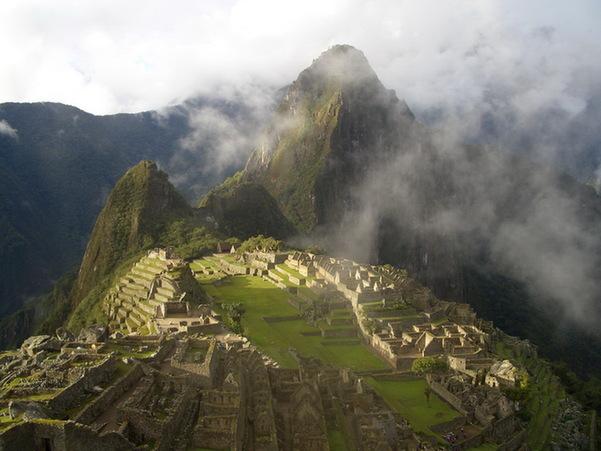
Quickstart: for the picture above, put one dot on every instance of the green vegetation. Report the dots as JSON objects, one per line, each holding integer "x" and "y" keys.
{"x": 192, "y": 239}
{"x": 207, "y": 262}
{"x": 244, "y": 209}
{"x": 586, "y": 391}
{"x": 540, "y": 399}
{"x": 407, "y": 396}
{"x": 262, "y": 300}
{"x": 429, "y": 365}
{"x": 136, "y": 214}
{"x": 89, "y": 310}
{"x": 484, "y": 447}
{"x": 5, "y": 420}
{"x": 261, "y": 243}
{"x": 336, "y": 440}
{"x": 232, "y": 316}
{"x": 301, "y": 152}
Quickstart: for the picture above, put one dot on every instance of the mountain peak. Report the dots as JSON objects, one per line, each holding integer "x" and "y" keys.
{"x": 341, "y": 62}
{"x": 335, "y": 118}
{"x": 140, "y": 204}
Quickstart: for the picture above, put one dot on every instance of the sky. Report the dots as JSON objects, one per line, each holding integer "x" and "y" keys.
{"x": 113, "y": 56}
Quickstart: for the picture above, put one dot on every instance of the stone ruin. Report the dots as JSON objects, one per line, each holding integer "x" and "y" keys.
{"x": 203, "y": 392}
{"x": 158, "y": 294}
{"x": 154, "y": 379}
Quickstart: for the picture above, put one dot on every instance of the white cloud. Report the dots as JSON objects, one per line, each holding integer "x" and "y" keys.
{"x": 7, "y": 129}
{"x": 111, "y": 56}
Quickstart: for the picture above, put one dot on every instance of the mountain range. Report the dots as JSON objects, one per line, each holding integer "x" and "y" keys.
{"x": 343, "y": 164}
{"x": 58, "y": 164}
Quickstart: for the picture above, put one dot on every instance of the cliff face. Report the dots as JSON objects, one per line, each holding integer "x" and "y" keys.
{"x": 137, "y": 211}
{"x": 335, "y": 118}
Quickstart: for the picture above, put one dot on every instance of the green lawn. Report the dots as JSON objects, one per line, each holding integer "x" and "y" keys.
{"x": 293, "y": 271}
{"x": 262, "y": 299}
{"x": 407, "y": 397}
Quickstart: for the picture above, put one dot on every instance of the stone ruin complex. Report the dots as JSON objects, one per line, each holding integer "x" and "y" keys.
{"x": 158, "y": 294}
{"x": 165, "y": 374}
{"x": 187, "y": 392}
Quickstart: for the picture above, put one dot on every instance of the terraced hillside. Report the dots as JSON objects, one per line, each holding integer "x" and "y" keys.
{"x": 155, "y": 281}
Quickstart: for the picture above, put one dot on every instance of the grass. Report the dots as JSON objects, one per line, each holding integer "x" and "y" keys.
{"x": 261, "y": 299}
{"x": 336, "y": 440}
{"x": 292, "y": 271}
{"x": 126, "y": 351}
{"x": 407, "y": 397}
{"x": 5, "y": 420}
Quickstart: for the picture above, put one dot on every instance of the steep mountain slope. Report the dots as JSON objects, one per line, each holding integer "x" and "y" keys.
{"x": 348, "y": 164}
{"x": 335, "y": 118}
{"x": 143, "y": 210}
{"x": 243, "y": 209}
{"x": 58, "y": 164}
{"x": 135, "y": 215}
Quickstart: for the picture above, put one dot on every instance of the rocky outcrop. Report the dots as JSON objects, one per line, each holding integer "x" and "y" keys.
{"x": 39, "y": 343}
{"x": 93, "y": 334}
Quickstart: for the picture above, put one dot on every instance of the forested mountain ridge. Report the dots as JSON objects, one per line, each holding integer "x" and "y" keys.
{"x": 59, "y": 163}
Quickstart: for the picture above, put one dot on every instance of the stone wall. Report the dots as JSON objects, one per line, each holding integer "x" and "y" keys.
{"x": 503, "y": 428}
{"x": 60, "y": 436}
{"x": 206, "y": 369}
{"x": 109, "y": 396}
{"x": 165, "y": 346}
{"x": 514, "y": 442}
{"x": 20, "y": 437}
{"x": 82, "y": 437}
{"x": 454, "y": 424}
{"x": 173, "y": 426}
{"x": 141, "y": 424}
{"x": 72, "y": 394}
{"x": 447, "y": 396}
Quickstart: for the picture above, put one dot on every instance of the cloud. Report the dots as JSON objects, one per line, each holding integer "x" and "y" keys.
{"x": 222, "y": 130}
{"x": 519, "y": 74}
{"x": 450, "y": 204}
{"x": 112, "y": 56}
{"x": 6, "y": 129}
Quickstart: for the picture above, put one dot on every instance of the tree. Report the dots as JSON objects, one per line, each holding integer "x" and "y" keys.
{"x": 429, "y": 365}
{"x": 260, "y": 242}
